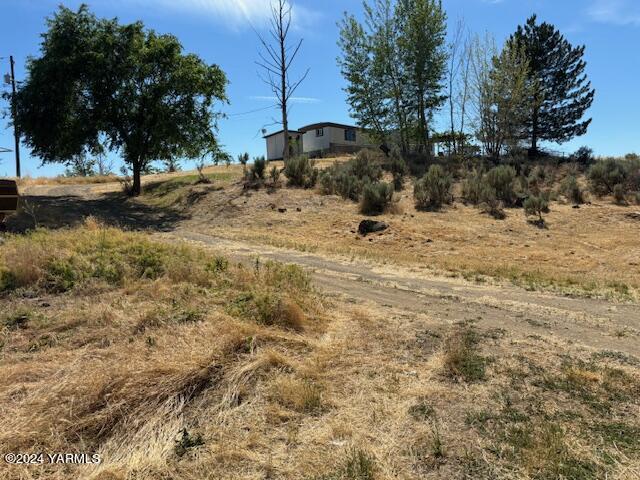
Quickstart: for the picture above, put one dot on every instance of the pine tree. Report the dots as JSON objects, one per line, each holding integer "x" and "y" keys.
{"x": 561, "y": 91}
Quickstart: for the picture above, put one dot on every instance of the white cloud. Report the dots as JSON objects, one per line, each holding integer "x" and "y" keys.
{"x": 232, "y": 13}
{"x": 617, "y": 12}
{"x": 292, "y": 99}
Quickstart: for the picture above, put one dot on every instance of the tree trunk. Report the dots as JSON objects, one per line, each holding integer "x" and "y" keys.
{"x": 534, "y": 133}
{"x": 283, "y": 89}
{"x": 136, "y": 187}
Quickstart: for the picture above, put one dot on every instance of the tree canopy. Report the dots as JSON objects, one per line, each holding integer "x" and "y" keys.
{"x": 100, "y": 85}
{"x": 561, "y": 92}
{"x": 394, "y": 65}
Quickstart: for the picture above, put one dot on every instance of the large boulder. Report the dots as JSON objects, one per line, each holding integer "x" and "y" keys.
{"x": 371, "y": 226}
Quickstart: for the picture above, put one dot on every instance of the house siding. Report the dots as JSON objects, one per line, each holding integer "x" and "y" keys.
{"x": 275, "y": 145}
{"x": 332, "y": 141}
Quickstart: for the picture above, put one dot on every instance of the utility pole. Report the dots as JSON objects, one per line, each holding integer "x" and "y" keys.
{"x": 14, "y": 113}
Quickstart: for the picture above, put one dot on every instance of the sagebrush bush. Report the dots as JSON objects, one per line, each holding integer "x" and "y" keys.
{"x": 301, "y": 172}
{"x": 433, "y": 190}
{"x": 274, "y": 175}
{"x": 348, "y": 179}
{"x": 472, "y": 187}
{"x": 502, "y": 180}
{"x": 571, "y": 189}
{"x": 399, "y": 169}
{"x": 536, "y": 205}
{"x": 489, "y": 202}
{"x": 583, "y": 156}
{"x": 376, "y": 198}
{"x": 258, "y": 168}
{"x": 605, "y": 174}
{"x": 619, "y": 194}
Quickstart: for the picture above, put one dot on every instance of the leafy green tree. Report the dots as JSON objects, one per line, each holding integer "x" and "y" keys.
{"x": 561, "y": 91}
{"x": 504, "y": 95}
{"x": 365, "y": 90}
{"x": 100, "y": 83}
{"x": 394, "y": 64}
{"x": 422, "y": 42}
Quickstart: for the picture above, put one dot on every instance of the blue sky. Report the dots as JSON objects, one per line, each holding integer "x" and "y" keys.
{"x": 219, "y": 31}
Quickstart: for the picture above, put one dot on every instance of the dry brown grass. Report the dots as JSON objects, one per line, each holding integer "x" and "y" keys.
{"x": 114, "y": 365}
{"x": 174, "y": 376}
{"x": 63, "y": 180}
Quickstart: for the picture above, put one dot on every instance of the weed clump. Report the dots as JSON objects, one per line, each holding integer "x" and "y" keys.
{"x": 461, "y": 357}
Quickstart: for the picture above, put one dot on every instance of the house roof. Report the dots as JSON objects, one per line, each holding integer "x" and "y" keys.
{"x": 281, "y": 131}
{"x": 313, "y": 126}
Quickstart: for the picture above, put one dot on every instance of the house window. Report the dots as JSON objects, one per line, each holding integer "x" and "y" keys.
{"x": 319, "y": 132}
{"x": 350, "y": 135}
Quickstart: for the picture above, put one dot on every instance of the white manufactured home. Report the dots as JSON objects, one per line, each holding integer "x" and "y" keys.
{"x": 318, "y": 139}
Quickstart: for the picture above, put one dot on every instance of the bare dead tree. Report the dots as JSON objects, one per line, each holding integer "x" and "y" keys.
{"x": 276, "y": 60}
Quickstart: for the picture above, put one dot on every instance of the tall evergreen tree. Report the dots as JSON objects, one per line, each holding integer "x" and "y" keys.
{"x": 561, "y": 91}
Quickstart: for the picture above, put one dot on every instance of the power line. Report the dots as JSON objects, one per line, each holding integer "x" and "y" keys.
{"x": 252, "y": 111}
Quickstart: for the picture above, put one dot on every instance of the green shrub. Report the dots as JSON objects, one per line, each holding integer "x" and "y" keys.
{"x": 376, "y": 197}
{"x": 536, "y": 179}
{"x": 348, "y": 179}
{"x": 399, "y": 169}
{"x": 258, "y": 169}
{"x": 472, "y": 187}
{"x": 502, "y": 180}
{"x": 606, "y": 174}
{"x": 62, "y": 275}
{"x": 536, "y": 205}
{"x": 147, "y": 259}
{"x": 619, "y": 194}
{"x": 489, "y": 202}
{"x": 582, "y": 156}
{"x": 571, "y": 189}
{"x": 274, "y": 175}
{"x": 300, "y": 172}
{"x": 366, "y": 165}
{"x": 433, "y": 190}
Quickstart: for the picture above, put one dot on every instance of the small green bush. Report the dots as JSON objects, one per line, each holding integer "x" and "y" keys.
{"x": 258, "y": 169}
{"x": 274, "y": 175}
{"x": 606, "y": 174}
{"x": 300, "y": 172}
{"x": 489, "y": 202}
{"x": 536, "y": 205}
{"x": 582, "y": 156}
{"x": 399, "y": 169}
{"x": 619, "y": 194}
{"x": 433, "y": 190}
{"x": 571, "y": 189}
{"x": 348, "y": 179}
{"x": 376, "y": 197}
{"x": 472, "y": 187}
{"x": 502, "y": 180}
